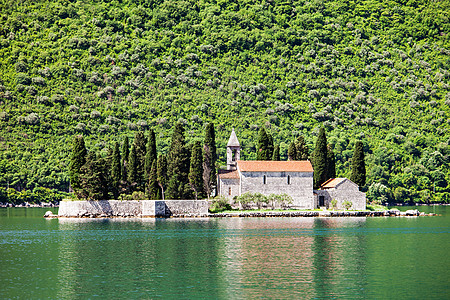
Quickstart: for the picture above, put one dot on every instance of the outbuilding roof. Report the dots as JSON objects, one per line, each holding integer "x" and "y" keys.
{"x": 274, "y": 166}
{"x": 233, "y": 141}
{"x": 332, "y": 183}
{"x": 226, "y": 174}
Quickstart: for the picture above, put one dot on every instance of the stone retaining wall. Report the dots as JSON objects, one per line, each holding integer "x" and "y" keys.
{"x": 134, "y": 208}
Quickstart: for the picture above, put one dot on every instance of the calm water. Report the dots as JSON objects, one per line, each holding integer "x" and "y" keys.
{"x": 224, "y": 258}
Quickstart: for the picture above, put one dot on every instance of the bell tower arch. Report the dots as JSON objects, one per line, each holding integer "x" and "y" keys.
{"x": 233, "y": 151}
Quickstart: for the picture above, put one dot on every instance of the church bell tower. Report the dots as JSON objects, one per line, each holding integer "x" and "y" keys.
{"x": 233, "y": 151}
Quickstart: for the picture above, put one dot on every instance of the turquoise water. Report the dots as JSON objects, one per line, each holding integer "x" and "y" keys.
{"x": 224, "y": 258}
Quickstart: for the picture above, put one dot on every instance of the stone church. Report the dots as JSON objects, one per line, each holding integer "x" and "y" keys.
{"x": 294, "y": 178}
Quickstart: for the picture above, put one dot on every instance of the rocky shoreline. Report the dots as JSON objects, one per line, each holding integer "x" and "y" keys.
{"x": 26, "y": 204}
{"x": 268, "y": 214}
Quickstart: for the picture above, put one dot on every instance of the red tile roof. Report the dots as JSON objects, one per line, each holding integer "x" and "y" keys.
{"x": 332, "y": 183}
{"x": 274, "y": 166}
{"x": 227, "y": 174}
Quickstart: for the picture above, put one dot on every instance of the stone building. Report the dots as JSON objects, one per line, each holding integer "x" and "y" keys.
{"x": 294, "y": 178}
{"x": 340, "y": 189}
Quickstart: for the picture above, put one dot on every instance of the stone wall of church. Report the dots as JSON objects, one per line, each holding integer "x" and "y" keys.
{"x": 346, "y": 191}
{"x": 229, "y": 188}
{"x": 299, "y": 185}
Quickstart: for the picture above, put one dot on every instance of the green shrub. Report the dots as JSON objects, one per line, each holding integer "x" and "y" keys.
{"x": 219, "y": 204}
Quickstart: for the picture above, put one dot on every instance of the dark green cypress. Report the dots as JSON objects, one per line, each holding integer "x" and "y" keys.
{"x": 153, "y": 188}
{"x": 209, "y": 160}
{"x": 139, "y": 145}
{"x": 125, "y": 154}
{"x": 196, "y": 170}
{"x": 77, "y": 160}
{"x": 270, "y": 147}
{"x": 262, "y": 152}
{"x": 331, "y": 173}
{"x": 178, "y": 166}
{"x": 116, "y": 171}
{"x": 94, "y": 178}
{"x": 292, "y": 151}
{"x": 150, "y": 154}
{"x": 276, "y": 153}
{"x": 161, "y": 174}
{"x": 301, "y": 149}
{"x": 132, "y": 172}
{"x": 358, "y": 174}
{"x": 320, "y": 159}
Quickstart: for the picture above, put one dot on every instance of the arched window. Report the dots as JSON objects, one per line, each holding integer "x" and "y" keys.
{"x": 289, "y": 179}
{"x": 264, "y": 179}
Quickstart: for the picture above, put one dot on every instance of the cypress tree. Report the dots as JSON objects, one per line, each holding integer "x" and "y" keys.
{"x": 331, "y": 161}
{"x": 196, "y": 170}
{"x": 358, "y": 174}
{"x": 77, "y": 160}
{"x": 320, "y": 159}
{"x": 139, "y": 146}
{"x": 132, "y": 172}
{"x": 276, "y": 153}
{"x": 153, "y": 189}
{"x": 161, "y": 173}
{"x": 94, "y": 178}
{"x": 209, "y": 160}
{"x": 301, "y": 149}
{"x": 262, "y": 152}
{"x": 150, "y": 155}
{"x": 116, "y": 171}
{"x": 270, "y": 147}
{"x": 125, "y": 154}
{"x": 292, "y": 151}
{"x": 178, "y": 166}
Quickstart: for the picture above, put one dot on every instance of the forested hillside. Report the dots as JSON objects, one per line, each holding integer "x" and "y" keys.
{"x": 375, "y": 71}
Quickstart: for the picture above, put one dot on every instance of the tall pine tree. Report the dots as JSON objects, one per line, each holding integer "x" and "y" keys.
{"x": 116, "y": 171}
{"x": 125, "y": 157}
{"x": 77, "y": 160}
{"x": 132, "y": 168}
{"x": 209, "y": 160}
{"x": 196, "y": 170}
{"x": 150, "y": 154}
{"x": 292, "y": 151}
{"x": 301, "y": 149}
{"x": 139, "y": 147}
{"x": 358, "y": 174}
{"x": 178, "y": 166}
{"x": 331, "y": 162}
{"x": 161, "y": 174}
{"x": 270, "y": 146}
{"x": 94, "y": 178}
{"x": 263, "y": 150}
{"x": 276, "y": 153}
{"x": 153, "y": 188}
{"x": 320, "y": 161}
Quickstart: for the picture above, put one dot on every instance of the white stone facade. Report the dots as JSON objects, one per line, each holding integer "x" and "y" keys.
{"x": 298, "y": 185}
{"x": 346, "y": 190}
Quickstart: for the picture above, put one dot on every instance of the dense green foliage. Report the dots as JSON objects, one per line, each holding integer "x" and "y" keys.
{"x": 161, "y": 174}
{"x": 116, "y": 172}
{"x": 377, "y": 70}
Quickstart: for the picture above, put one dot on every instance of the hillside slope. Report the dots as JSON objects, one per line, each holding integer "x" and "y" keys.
{"x": 377, "y": 71}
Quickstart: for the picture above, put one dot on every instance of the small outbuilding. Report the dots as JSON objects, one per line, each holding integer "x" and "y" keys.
{"x": 341, "y": 190}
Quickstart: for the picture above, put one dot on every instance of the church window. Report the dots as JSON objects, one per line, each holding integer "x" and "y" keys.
{"x": 264, "y": 179}
{"x": 289, "y": 179}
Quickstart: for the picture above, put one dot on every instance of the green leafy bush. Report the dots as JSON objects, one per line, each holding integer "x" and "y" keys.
{"x": 219, "y": 204}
